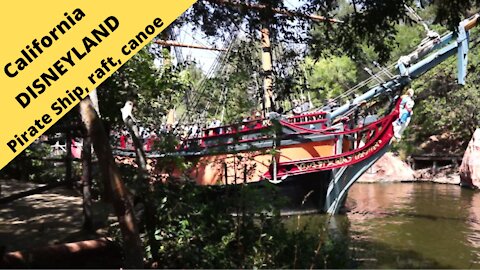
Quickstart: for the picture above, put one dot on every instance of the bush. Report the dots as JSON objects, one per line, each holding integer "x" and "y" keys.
{"x": 226, "y": 227}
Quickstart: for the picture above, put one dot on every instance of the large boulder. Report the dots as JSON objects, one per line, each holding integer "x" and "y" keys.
{"x": 388, "y": 168}
{"x": 470, "y": 167}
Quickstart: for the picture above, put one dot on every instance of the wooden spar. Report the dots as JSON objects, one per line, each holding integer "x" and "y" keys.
{"x": 290, "y": 13}
{"x": 178, "y": 44}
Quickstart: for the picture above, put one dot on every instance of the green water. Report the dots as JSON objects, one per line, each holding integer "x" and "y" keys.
{"x": 408, "y": 225}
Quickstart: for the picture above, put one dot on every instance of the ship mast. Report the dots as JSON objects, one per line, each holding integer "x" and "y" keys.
{"x": 268, "y": 98}
{"x": 266, "y": 11}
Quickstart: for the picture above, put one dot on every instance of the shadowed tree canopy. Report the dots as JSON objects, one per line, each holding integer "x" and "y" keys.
{"x": 366, "y": 21}
{"x": 367, "y": 25}
{"x": 153, "y": 88}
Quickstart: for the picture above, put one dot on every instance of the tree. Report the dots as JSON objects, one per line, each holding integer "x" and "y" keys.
{"x": 330, "y": 77}
{"x": 132, "y": 245}
{"x": 153, "y": 89}
{"x": 371, "y": 22}
{"x": 443, "y": 107}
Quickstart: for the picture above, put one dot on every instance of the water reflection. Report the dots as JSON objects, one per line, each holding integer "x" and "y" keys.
{"x": 414, "y": 225}
{"x": 410, "y": 225}
{"x": 474, "y": 220}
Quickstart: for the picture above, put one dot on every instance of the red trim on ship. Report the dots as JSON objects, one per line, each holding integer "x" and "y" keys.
{"x": 372, "y": 146}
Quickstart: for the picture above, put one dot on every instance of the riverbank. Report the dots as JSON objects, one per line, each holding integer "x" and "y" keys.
{"x": 443, "y": 176}
{"x": 55, "y": 216}
{"x": 450, "y": 179}
{"x": 391, "y": 169}
{"x": 453, "y": 179}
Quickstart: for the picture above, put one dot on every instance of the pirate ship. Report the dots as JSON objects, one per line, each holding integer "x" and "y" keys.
{"x": 316, "y": 155}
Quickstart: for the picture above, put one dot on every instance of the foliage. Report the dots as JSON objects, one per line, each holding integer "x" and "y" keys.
{"x": 29, "y": 166}
{"x": 364, "y": 21}
{"x": 374, "y": 23}
{"x": 216, "y": 18}
{"x": 155, "y": 90}
{"x": 444, "y": 107}
{"x": 232, "y": 90}
{"x": 195, "y": 228}
{"x": 330, "y": 76}
{"x": 38, "y": 162}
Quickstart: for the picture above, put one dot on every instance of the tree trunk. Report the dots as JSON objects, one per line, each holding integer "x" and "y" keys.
{"x": 140, "y": 156}
{"x": 87, "y": 183}
{"x": 68, "y": 158}
{"x": 132, "y": 245}
{"x": 141, "y": 160}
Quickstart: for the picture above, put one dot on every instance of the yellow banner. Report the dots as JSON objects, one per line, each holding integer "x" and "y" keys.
{"x": 54, "y": 52}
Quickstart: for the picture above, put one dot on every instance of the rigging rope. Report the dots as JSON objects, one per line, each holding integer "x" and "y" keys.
{"x": 223, "y": 72}
{"x": 201, "y": 86}
{"x": 375, "y": 76}
{"x": 386, "y": 71}
{"x": 363, "y": 83}
{"x": 417, "y": 18}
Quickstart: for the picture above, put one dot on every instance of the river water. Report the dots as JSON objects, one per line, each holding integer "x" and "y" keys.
{"x": 409, "y": 225}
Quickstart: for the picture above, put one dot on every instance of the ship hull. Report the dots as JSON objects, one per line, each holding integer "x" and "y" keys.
{"x": 302, "y": 194}
{"x": 307, "y": 167}
{"x": 304, "y": 162}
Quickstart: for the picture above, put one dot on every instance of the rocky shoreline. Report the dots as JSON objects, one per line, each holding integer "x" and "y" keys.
{"x": 450, "y": 179}
{"x": 391, "y": 168}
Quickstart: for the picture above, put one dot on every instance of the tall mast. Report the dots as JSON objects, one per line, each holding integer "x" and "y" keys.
{"x": 268, "y": 99}
{"x": 167, "y": 64}
{"x": 266, "y": 11}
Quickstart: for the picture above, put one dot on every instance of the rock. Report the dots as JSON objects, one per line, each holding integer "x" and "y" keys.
{"x": 443, "y": 175}
{"x": 388, "y": 168}
{"x": 470, "y": 167}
